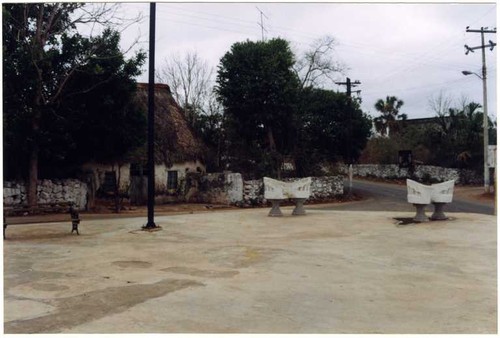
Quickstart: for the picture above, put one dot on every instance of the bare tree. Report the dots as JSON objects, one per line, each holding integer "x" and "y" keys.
{"x": 190, "y": 80}
{"x": 440, "y": 103}
{"x": 317, "y": 64}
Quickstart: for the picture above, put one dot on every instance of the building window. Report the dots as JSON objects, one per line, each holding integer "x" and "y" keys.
{"x": 109, "y": 184}
{"x": 172, "y": 180}
{"x": 138, "y": 169}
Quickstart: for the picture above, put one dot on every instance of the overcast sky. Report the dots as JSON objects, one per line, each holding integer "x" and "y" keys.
{"x": 412, "y": 51}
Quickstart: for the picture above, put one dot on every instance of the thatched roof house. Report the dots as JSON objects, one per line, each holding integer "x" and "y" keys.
{"x": 178, "y": 151}
{"x": 175, "y": 141}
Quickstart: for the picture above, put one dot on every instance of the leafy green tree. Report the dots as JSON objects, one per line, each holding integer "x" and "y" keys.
{"x": 258, "y": 90}
{"x": 210, "y": 128}
{"x": 389, "y": 110}
{"x": 333, "y": 128}
{"x": 99, "y": 119}
{"x": 43, "y": 54}
{"x": 459, "y": 139}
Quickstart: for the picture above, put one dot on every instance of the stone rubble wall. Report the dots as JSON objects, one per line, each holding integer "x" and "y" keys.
{"x": 253, "y": 193}
{"x": 231, "y": 189}
{"x": 48, "y": 191}
{"x": 216, "y": 188}
{"x": 392, "y": 171}
{"x": 322, "y": 188}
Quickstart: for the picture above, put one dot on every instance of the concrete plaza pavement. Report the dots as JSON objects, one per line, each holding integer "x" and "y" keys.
{"x": 239, "y": 271}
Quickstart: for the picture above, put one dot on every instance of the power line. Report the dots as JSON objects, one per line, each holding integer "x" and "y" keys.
{"x": 482, "y": 16}
{"x": 218, "y": 16}
{"x": 246, "y": 24}
{"x": 426, "y": 86}
{"x": 198, "y": 17}
{"x": 211, "y": 27}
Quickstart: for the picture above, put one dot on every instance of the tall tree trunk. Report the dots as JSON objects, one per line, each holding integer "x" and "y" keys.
{"x": 274, "y": 152}
{"x": 33, "y": 177}
{"x": 33, "y": 162}
{"x": 118, "y": 204}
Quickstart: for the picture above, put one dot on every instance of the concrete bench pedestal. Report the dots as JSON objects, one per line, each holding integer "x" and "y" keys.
{"x": 438, "y": 214}
{"x": 275, "y": 208}
{"x": 420, "y": 216}
{"x": 299, "y": 207}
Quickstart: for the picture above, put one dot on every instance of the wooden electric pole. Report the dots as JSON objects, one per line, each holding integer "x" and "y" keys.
{"x": 349, "y": 85}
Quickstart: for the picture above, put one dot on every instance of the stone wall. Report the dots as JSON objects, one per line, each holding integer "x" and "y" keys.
{"x": 322, "y": 188}
{"x": 326, "y": 187}
{"x": 216, "y": 188}
{"x": 230, "y": 188}
{"x": 48, "y": 191}
{"x": 253, "y": 193}
{"x": 421, "y": 172}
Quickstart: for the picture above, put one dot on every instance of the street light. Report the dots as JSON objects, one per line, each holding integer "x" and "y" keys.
{"x": 466, "y": 72}
{"x": 485, "y": 127}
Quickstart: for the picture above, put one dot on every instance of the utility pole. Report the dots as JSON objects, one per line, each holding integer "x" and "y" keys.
{"x": 468, "y": 49}
{"x": 261, "y": 24}
{"x": 151, "y": 118}
{"x": 349, "y": 85}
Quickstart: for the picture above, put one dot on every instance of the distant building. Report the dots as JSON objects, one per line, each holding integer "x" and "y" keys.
{"x": 425, "y": 122}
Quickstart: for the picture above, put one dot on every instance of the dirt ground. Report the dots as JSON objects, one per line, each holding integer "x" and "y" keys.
{"x": 221, "y": 269}
{"x": 240, "y": 271}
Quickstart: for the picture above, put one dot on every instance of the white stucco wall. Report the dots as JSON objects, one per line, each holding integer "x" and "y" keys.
{"x": 161, "y": 173}
{"x": 99, "y": 171}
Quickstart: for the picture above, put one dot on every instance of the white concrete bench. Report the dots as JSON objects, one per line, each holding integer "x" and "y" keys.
{"x": 276, "y": 191}
{"x": 421, "y": 195}
{"x": 442, "y": 193}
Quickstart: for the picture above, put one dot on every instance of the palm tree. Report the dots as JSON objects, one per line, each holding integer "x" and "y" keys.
{"x": 389, "y": 110}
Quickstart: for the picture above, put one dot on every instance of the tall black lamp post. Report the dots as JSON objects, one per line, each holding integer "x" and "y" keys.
{"x": 151, "y": 118}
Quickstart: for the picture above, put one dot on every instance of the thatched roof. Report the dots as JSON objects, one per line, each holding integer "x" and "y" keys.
{"x": 175, "y": 141}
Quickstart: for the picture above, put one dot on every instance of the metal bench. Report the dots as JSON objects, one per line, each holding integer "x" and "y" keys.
{"x": 41, "y": 209}
{"x": 75, "y": 219}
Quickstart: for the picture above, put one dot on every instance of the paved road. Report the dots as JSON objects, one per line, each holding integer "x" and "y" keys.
{"x": 391, "y": 197}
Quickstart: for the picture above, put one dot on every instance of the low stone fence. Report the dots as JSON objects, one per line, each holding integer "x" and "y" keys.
{"x": 230, "y": 188}
{"x": 322, "y": 188}
{"x": 216, "y": 188}
{"x": 422, "y": 172}
{"x": 48, "y": 191}
{"x": 253, "y": 193}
